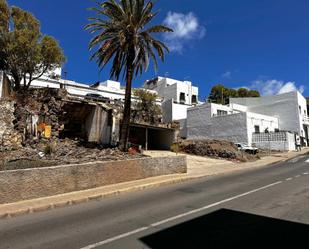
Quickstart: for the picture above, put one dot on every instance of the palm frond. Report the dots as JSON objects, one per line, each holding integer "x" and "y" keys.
{"x": 121, "y": 37}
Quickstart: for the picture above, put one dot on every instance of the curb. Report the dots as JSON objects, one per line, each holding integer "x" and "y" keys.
{"x": 97, "y": 197}
{"x": 72, "y": 202}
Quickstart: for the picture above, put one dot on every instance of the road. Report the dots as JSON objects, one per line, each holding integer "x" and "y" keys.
{"x": 263, "y": 207}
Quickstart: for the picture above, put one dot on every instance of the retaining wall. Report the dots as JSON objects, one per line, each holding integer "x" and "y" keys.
{"x": 17, "y": 185}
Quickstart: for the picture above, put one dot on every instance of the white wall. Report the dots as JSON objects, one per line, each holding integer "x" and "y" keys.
{"x": 175, "y": 112}
{"x": 303, "y": 112}
{"x": 167, "y": 111}
{"x": 179, "y": 111}
{"x": 283, "y": 106}
{"x": 281, "y": 141}
{"x": 217, "y": 107}
{"x": 108, "y": 89}
{"x": 170, "y": 89}
{"x": 201, "y": 125}
{"x": 263, "y": 121}
{"x": 238, "y": 108}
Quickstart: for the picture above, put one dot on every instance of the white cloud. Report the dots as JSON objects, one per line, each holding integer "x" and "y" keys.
{"x": 186, "y": 27}
{"x": 227, "y": 75}
{"x": 274, "y": 87}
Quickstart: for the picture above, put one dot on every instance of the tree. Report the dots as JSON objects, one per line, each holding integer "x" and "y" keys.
{"x": 25, "y": 53}
{"x": 254, "y": 93}
{"x": 145, "y": 106}
{"x": 221, "y": 95}
{"x": 242, "y": 92}
{"x": 122, "y": 36}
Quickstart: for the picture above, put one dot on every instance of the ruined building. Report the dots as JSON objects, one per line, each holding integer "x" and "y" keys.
{"x": 51, "y": 113}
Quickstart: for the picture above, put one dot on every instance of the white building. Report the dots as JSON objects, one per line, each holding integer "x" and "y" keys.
{"x": 290, "y": 108}
{"x": 111, "y": 90}
{"x": 177, "y": 96}
{"x": 247, "y": 120}
{"x": 213, "y": 121}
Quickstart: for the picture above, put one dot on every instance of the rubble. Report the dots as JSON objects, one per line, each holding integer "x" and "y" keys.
{"x": 60, "y": 152}
{"x": 214, "y": 148}
{"x": 48, "y": 127}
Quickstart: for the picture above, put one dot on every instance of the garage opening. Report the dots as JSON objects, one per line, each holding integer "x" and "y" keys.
{"x": 74, "y": 120}
{"x": 151, "y": 138}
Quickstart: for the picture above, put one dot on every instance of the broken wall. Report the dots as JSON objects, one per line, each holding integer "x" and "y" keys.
{"x": 97, "y": 126}
{"x": 10, "y": 139}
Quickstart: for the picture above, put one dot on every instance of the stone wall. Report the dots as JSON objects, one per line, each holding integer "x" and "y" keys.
{"x": 9, "y": 138}
{"x": 17, "y": 185}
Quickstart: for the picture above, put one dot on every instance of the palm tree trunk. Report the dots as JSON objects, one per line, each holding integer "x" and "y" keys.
{"x": 125, "y": 127}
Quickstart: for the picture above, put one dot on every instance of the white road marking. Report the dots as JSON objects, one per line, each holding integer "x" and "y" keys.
{"x": 297, "y": 176}
{"x": 307, "y": 161}
{"x": 306, "y": 173}
{"x": 289, "y": 179}
{"x": 176, "y": 217}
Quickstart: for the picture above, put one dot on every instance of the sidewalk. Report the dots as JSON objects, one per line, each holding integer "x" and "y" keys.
{"x": 197, "y": 167}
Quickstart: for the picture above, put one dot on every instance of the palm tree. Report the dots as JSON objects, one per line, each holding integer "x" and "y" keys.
{"x": 122, "y": 36}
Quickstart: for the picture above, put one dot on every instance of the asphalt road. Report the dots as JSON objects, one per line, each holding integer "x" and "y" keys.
{"x": 258, "y": 208}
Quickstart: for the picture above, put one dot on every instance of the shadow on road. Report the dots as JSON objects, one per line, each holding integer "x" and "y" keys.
{"x": 230, "y": 229}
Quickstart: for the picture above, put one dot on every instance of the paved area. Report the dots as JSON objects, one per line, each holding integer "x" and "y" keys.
{"x": 204, "y": 166}
{"x": 197, "y": 167}
{"x": 267, "y": 206}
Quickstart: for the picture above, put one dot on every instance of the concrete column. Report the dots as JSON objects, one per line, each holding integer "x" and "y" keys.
{"x": 146, "y": 143}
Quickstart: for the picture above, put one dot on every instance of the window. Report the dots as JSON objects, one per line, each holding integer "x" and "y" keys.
{"x": 257, "y": 129}
{"x": 182, "y": 98}
{"x": 299, "y": 109}
{"x": 221, "y": 113}
{"x": 194, "y": 99}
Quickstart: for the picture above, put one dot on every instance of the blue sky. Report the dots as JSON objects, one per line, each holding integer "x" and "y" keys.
{"x": 260, "y": 44}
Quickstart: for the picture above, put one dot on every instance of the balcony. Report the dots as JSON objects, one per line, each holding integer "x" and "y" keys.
{"x": 306, "y": 120}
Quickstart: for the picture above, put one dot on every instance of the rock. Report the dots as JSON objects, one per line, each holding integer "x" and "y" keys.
{"x": 211, "y": 148}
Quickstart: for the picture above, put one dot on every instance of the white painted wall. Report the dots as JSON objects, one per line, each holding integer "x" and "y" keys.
{"x": 263, "y": 121}
{"x": 108, "y": 89}
{"x": 303, "y": 112}
{"x": 167, "y": 111}
{"x": 168, "y": 88}
{"x": 179, "y": 111}
{"x": 238, "y": 108}
{"x": 175, "y": 112}
{"x": 272, "y": 143}
{"x": 203, "y": 123}
{"x": 284, "y": 106}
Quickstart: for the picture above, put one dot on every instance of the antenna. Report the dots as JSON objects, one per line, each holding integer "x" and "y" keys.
{"x": 65, "y": 74}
